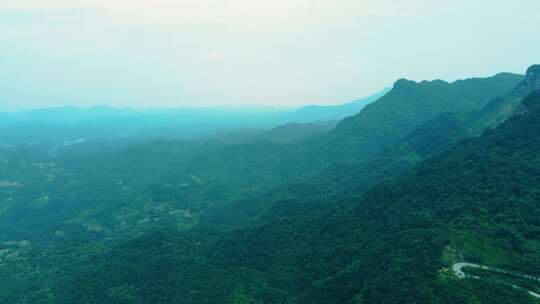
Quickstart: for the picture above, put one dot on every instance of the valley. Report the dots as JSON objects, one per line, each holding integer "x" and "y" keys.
{"x": 336, "y": 215}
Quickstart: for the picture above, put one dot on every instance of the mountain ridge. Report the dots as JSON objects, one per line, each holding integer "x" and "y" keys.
{"x": 392, "y": 244}
{"x": 142, "y": 224}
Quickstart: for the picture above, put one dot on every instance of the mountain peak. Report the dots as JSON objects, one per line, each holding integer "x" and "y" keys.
{"x": 532, "y": 79}
{"x": 406, "y": 83}
{"x": 533, "y": 69}
{"x": 402, "y": 82}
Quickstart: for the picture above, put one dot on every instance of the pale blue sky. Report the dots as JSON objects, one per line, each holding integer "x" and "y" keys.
{"x": 142, "y": 53}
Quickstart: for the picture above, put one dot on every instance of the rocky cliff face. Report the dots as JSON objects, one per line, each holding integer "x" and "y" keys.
{"x": 407, "y": 107}
{"x": 504, "y": 107}
{"x": 532, "y": 79}
{"x": 531, "y": 82}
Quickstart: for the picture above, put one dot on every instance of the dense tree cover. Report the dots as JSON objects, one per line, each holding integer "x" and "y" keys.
{"x": 392, "y": 244}
{"x": 377, "y": 126}
{"x": 214, "y": 223}
{"x": 104, "y": 187}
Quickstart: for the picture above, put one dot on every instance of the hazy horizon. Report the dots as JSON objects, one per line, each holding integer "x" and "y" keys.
{"x": 269, "y": 151}
{"x": 172, "y": 54}
{"x": 263, "y": 108}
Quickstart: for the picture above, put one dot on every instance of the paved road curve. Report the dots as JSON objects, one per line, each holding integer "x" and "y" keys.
{"x": 458, "y": 271}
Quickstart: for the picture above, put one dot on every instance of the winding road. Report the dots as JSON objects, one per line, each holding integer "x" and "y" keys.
{"x": 458, "y": 271}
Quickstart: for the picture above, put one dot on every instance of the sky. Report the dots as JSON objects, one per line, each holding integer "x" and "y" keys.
{"x": 176, "y": 53}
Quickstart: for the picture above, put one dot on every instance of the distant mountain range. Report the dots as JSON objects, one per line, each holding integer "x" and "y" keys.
{"x": 375, "y": 209}
{"x": 69, "y": 123}
{"x": 316, "y": 113}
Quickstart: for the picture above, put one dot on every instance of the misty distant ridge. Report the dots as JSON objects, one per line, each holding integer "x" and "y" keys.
{"x": 269, "y": 152}
{"x": 309, "y": 113}
{"x": 69, "y": 123}
{"x": 99, "y": 122}
{"x": 259, "y": 117}
{"x": 316, "y": 205}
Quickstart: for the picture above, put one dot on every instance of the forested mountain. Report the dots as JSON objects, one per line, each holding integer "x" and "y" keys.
{"x": 183, "y": 180}
{"x": 393, "y": 244}
{"x": 293, "y": 215}
{"x": 409, "y": 105}
{"x": 434, "y": 136}
{"x": 346, "y": 146}
{"x": 505, "y": 106}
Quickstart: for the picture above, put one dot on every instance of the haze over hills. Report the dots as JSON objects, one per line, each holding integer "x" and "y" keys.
{"x": 100, "y": 122}
{"x": 245, "y": 152}
{"x": 377, "y": 210}
{"x": 391, "y": 119}
{"x": 397, "y": 241}
{"x": 326, "y": 113}
{"x": 433, "y": 137}
{"x": 206, "y": 166}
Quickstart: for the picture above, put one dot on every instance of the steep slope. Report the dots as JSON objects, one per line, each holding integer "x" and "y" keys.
{"x": 437, "y": 135}
{"x": 505, "y": 106}
{"x": 432, "y": 137}
{"x": 308, "y": 244}
{"x": 480, "y": 199}
{"x": 393, "y": 244}
{"x": 324, "y": 113}
{"x": 409, "y": 105}
{"x": 381, "y": 124}
{"x": 187, "y": 182}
